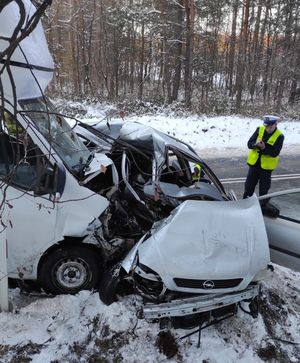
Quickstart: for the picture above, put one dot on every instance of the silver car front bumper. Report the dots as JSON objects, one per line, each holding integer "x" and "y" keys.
{"x": 198, "y": 304}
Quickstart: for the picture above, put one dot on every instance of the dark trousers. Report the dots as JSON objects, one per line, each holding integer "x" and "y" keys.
{"x": 257, "y": 174}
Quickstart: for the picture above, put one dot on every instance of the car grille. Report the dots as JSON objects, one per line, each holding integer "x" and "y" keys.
{"x": 207, "y": 284}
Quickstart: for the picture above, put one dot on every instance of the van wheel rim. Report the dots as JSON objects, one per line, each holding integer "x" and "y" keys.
{"x": 72, "y": 274}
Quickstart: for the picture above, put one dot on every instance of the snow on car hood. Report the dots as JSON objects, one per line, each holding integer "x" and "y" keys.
{"x": 208, "y": 240}
{"x": 33, "y": 50}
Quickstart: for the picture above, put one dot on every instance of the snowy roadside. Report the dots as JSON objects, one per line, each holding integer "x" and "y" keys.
{"x": 81, "y": 329}
{"x": 215, "y": 136}
{"x": 210, "y": 136}
{"x": 211, "y": 153}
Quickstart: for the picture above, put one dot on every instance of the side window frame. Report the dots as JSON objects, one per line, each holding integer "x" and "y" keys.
{"x": 280, "y": 215}
{"x": 23, "y": 171}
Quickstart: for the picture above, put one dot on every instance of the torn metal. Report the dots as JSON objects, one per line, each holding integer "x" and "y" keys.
{"x": 198, "y": 304}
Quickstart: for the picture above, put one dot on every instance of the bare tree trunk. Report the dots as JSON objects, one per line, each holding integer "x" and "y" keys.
{"x": 74, "y": 48}
{"x": 255, "y": 54}
{"x": 141, "y": 75}
{"x": 293, "y": 92}
{"x": 178, "y": 50}
{"x": 285, "y": 72}
{"x": 242, "y": 56}
{"x": 89, "y": 51}
{"x": 190, "y": 16}
{"x": 166, "y": 75}
{"x": 232, "y": 46}
{"x": 132, "y": 54}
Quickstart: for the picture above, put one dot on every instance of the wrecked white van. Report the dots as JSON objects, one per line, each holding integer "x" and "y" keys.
{"x": 44, "y": 169}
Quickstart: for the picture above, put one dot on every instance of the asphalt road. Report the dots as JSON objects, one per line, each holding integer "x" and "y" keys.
{"x": 235, "y": 167}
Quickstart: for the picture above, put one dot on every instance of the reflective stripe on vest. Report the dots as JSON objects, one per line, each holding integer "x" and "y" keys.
{"x": 267, "y": 162}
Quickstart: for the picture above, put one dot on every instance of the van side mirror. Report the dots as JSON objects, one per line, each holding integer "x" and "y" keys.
{"x": 52, "y": 181}
{"x": 59, "y": 176}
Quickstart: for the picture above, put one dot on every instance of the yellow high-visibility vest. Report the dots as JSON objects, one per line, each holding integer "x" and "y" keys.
{"x": 10, "y": 124}
{"x": 197, "y": 176}
{"x": 267, "y": 162}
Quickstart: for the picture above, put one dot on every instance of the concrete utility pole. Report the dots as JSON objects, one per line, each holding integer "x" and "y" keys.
{"x": 4, "y": 305}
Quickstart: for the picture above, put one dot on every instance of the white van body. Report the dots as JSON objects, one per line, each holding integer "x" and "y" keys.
{"x": 36, "y": 223}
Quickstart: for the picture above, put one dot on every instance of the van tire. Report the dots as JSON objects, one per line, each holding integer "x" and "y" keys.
{"x": 69, "y": 269}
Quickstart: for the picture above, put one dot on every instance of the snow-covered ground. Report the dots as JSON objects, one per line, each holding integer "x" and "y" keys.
{"x": 210, "y": 136}
{"x": 81, "y": 329}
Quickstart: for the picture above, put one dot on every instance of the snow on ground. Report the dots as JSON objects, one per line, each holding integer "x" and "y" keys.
{"x": 81, "y": 329}
{"x": 210, "y": 136}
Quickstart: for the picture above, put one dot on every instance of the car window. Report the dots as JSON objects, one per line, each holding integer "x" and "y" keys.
{"x": 288, "y": 205}
{"x": 22, "y": 164}
{"x": 176, "y": 170}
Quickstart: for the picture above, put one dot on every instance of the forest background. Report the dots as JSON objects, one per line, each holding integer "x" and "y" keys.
{"x": 212, "y": 57}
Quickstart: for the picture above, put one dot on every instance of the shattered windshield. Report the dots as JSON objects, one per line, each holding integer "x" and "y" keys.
{"x": 58, "y": 132}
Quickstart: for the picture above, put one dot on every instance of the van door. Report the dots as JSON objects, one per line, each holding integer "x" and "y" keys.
{"x": 25, "y": 175}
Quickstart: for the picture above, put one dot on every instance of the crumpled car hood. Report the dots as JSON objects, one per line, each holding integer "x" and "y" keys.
{"x": 208, "y": 240}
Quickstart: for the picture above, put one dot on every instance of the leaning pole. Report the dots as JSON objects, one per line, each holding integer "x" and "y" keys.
{"x": 4, "y": 305}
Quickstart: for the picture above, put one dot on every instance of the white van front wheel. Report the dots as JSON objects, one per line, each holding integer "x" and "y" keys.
{"x": 70, "y": 269}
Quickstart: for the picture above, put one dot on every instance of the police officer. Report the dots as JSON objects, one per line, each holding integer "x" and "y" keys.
{"x": 265, "y": 145}
{"x": 196, "y": 173}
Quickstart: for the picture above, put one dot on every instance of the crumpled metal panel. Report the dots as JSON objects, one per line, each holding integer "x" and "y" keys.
{"x": 208, "y": 240}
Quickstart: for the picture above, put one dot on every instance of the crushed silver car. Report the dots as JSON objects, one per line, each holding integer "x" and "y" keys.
{"x": 156, "y": 174}
{"x": 201, "y": 251}
{"x": 207, "y": 256}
